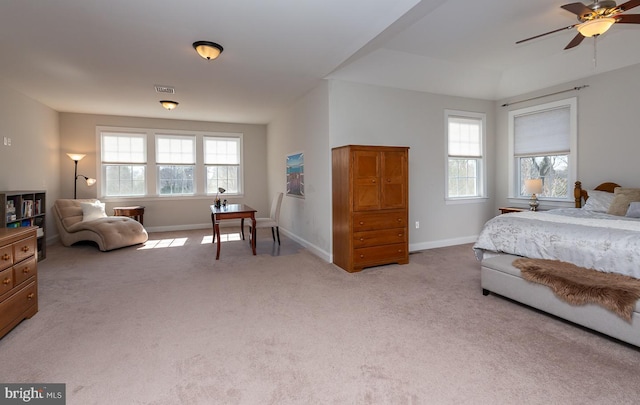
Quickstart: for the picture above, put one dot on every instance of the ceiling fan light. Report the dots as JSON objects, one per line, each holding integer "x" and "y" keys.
{"x": 168, "y": 104}
{"x": 596, "y": 27}
{"x": 208, "y": 50}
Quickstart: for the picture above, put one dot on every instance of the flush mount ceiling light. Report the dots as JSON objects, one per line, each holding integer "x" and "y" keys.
{"x": 208, "y": 50}
{"x": 168, "y": 104}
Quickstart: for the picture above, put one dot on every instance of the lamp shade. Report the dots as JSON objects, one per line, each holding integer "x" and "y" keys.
{"x": 76, "y": 156}
{"x": 208, "y": 50}
{"x": 596, "y": 27}
{"x": 533, "y": 186}
{"x": 168, "y": 104}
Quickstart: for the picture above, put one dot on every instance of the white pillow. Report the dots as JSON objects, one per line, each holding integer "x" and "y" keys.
{"x": 634, "y": 209}
{"x": 92, "y": 211}
{"x": 598, "y": 201}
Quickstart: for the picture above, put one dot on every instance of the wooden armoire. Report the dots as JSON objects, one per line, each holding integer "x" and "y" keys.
{"x": 370, "y": 187}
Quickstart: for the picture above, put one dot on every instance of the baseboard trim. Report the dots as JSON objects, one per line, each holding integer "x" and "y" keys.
{"x": 324, "y": 255}
{"x": 413, "y": 247}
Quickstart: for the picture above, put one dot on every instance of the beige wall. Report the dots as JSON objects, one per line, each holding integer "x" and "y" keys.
{"x": 78, "y": 135}
{"x": 32, "y": 161}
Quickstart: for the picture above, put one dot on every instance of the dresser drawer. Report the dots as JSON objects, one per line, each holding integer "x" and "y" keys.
{"x": 6, "y": 281}
{"x": 379, "y": 220}
{"x": 24, "y": 248}
{"x": 6, "y": 256}
{"x": 24, "y": 270}
{"x": 380, "y": 254}
{"x": 379, "y": 237}
{"x": 14, "y": 308}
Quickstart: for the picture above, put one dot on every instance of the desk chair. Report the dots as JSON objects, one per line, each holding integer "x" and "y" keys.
{"x": 274, "y": 218}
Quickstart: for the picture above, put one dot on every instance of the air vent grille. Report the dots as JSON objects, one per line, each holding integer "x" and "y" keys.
{"x": 165, "y": 89}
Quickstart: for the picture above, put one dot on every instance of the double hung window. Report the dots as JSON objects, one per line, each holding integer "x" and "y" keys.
{"x": 157, "y": 163}
{"x": 124, "y": 163}
{"x": 543, "y": 144}
{"x": 465, "y": 151}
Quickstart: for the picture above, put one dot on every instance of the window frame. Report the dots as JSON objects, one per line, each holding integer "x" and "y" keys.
{"x": 159, "y": 163}
{"x": 481, "y": 170}
{"x": 240, "y": 166}
{"x": 572, "y": 155}
{"x": 152, "y": 190}
{"x": 105, "y": 164}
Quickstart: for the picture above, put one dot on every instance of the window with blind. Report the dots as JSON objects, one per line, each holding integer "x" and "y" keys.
{"x": 222, "y": 160}
{"x": 150, "y": 163}
{"x": 465, "y": 146}
{"x": 124, "y": 162}
{"x": 543, "y": 143}
{"x": 175, "y": 161}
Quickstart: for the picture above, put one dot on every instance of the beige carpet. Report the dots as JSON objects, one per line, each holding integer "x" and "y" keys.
{"x": 170, "y": 325}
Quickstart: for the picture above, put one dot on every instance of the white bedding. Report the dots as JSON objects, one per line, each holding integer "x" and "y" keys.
{"x": 585, "y": 238}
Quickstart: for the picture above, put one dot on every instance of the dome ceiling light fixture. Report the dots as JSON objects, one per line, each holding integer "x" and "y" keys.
{"x": 168, "y": 104}
{"x": 207, "y": 49}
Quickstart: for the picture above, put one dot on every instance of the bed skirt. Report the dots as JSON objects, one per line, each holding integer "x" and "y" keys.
{"x": 500, "y": 277}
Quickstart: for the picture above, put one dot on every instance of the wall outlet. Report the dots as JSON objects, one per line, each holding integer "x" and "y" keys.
{"x": 417, "y": 224}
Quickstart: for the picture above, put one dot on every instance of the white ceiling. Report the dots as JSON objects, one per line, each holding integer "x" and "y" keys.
{"x": 105, "y": 57}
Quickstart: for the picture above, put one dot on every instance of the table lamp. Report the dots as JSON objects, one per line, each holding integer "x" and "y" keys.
{"x": 533, "y": 187}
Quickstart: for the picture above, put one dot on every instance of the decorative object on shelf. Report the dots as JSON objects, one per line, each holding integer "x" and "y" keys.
{"x": 208, "y": 50}
{"x": 217, "y": 202}
{"x": 76, "y": 157}
{"x": 533, "y": 186}
{"x": 168, "y": 104}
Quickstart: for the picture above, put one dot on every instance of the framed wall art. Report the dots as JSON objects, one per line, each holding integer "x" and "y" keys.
{"x": 295, "y": 175}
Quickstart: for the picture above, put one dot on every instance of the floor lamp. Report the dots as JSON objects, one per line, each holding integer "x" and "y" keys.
{"x": 76, "y": 157}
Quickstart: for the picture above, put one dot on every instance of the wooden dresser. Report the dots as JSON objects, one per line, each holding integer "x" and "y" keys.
{"x": 370, "y": 206}
{"x": 18, "y": 276}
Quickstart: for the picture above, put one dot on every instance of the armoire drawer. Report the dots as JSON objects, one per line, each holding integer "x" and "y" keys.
{"x": 382, "y": 254}
{"x": 379, "y": 220}
{"x": 6, "y": 256}
{"x": 6, "y": 281}
{"x": 379, "y": 237}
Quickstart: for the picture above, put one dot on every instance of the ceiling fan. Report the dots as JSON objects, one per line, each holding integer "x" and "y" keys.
{"x": 595, "y": 19}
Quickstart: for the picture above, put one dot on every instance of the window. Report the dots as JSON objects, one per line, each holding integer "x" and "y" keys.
{"x": 124, "y": 158}
{"x": 543, "y": 143}
{"x": 222, "y": 158}
{"x": 176, "y": 160}
{"x": 465, "y": 145}
{"x": 168, "y": 163}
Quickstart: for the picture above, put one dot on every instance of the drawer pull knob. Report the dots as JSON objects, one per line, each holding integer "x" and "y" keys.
{"x": 399, "y": 219}
{"x": 6, "y": 256}
{"x": 373, "y": 181}
{"x": 30, "y": 296}
{"x": 361, "y": 223}
{"x": 361, "y": 239}
{"x": 6, "y": 281}
{"x": 400, "y": 235}
{"x": 26, "y": 270}
{"x": 362, "y": 256}
{"x": 25, "y": 249}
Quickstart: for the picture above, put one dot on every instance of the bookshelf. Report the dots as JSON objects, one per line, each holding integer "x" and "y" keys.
{"x": 26, "y": 208}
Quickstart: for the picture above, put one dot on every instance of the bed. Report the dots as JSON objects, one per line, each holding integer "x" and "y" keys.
{"x": 602, "y": 233}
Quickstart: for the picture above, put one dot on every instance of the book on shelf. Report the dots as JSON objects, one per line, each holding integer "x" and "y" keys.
{"x": 27, "y": 208}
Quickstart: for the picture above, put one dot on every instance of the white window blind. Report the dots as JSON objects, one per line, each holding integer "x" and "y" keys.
{"x": 544, "y": 132}
{"x": 175, "y": 149}
{"x": 123, "y": 148}
{"x": 465, "y": 136}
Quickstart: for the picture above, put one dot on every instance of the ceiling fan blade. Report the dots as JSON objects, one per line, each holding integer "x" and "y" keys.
{"x": 629, "y": 5}
{"x": 628, "y": 18}
{"x": 580, "y": 9}
{"x": 547, "y": 33}
{"x": 575, "y": 41}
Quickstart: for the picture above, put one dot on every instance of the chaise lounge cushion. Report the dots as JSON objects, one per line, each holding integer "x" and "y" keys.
{"x": 107, "y": 232}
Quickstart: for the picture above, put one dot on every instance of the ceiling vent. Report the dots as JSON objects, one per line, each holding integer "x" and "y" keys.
{"x": 165, "y": 89}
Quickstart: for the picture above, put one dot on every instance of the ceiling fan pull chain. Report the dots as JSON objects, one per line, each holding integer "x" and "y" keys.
{"x": 595, "y": 52}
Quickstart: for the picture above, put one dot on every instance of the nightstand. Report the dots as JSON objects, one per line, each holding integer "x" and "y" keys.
{"x": 506, "y": 210}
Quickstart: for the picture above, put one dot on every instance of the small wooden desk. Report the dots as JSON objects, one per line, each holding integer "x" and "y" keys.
{"x": 136, "y": 212}
{"x": 233, "y": 211}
